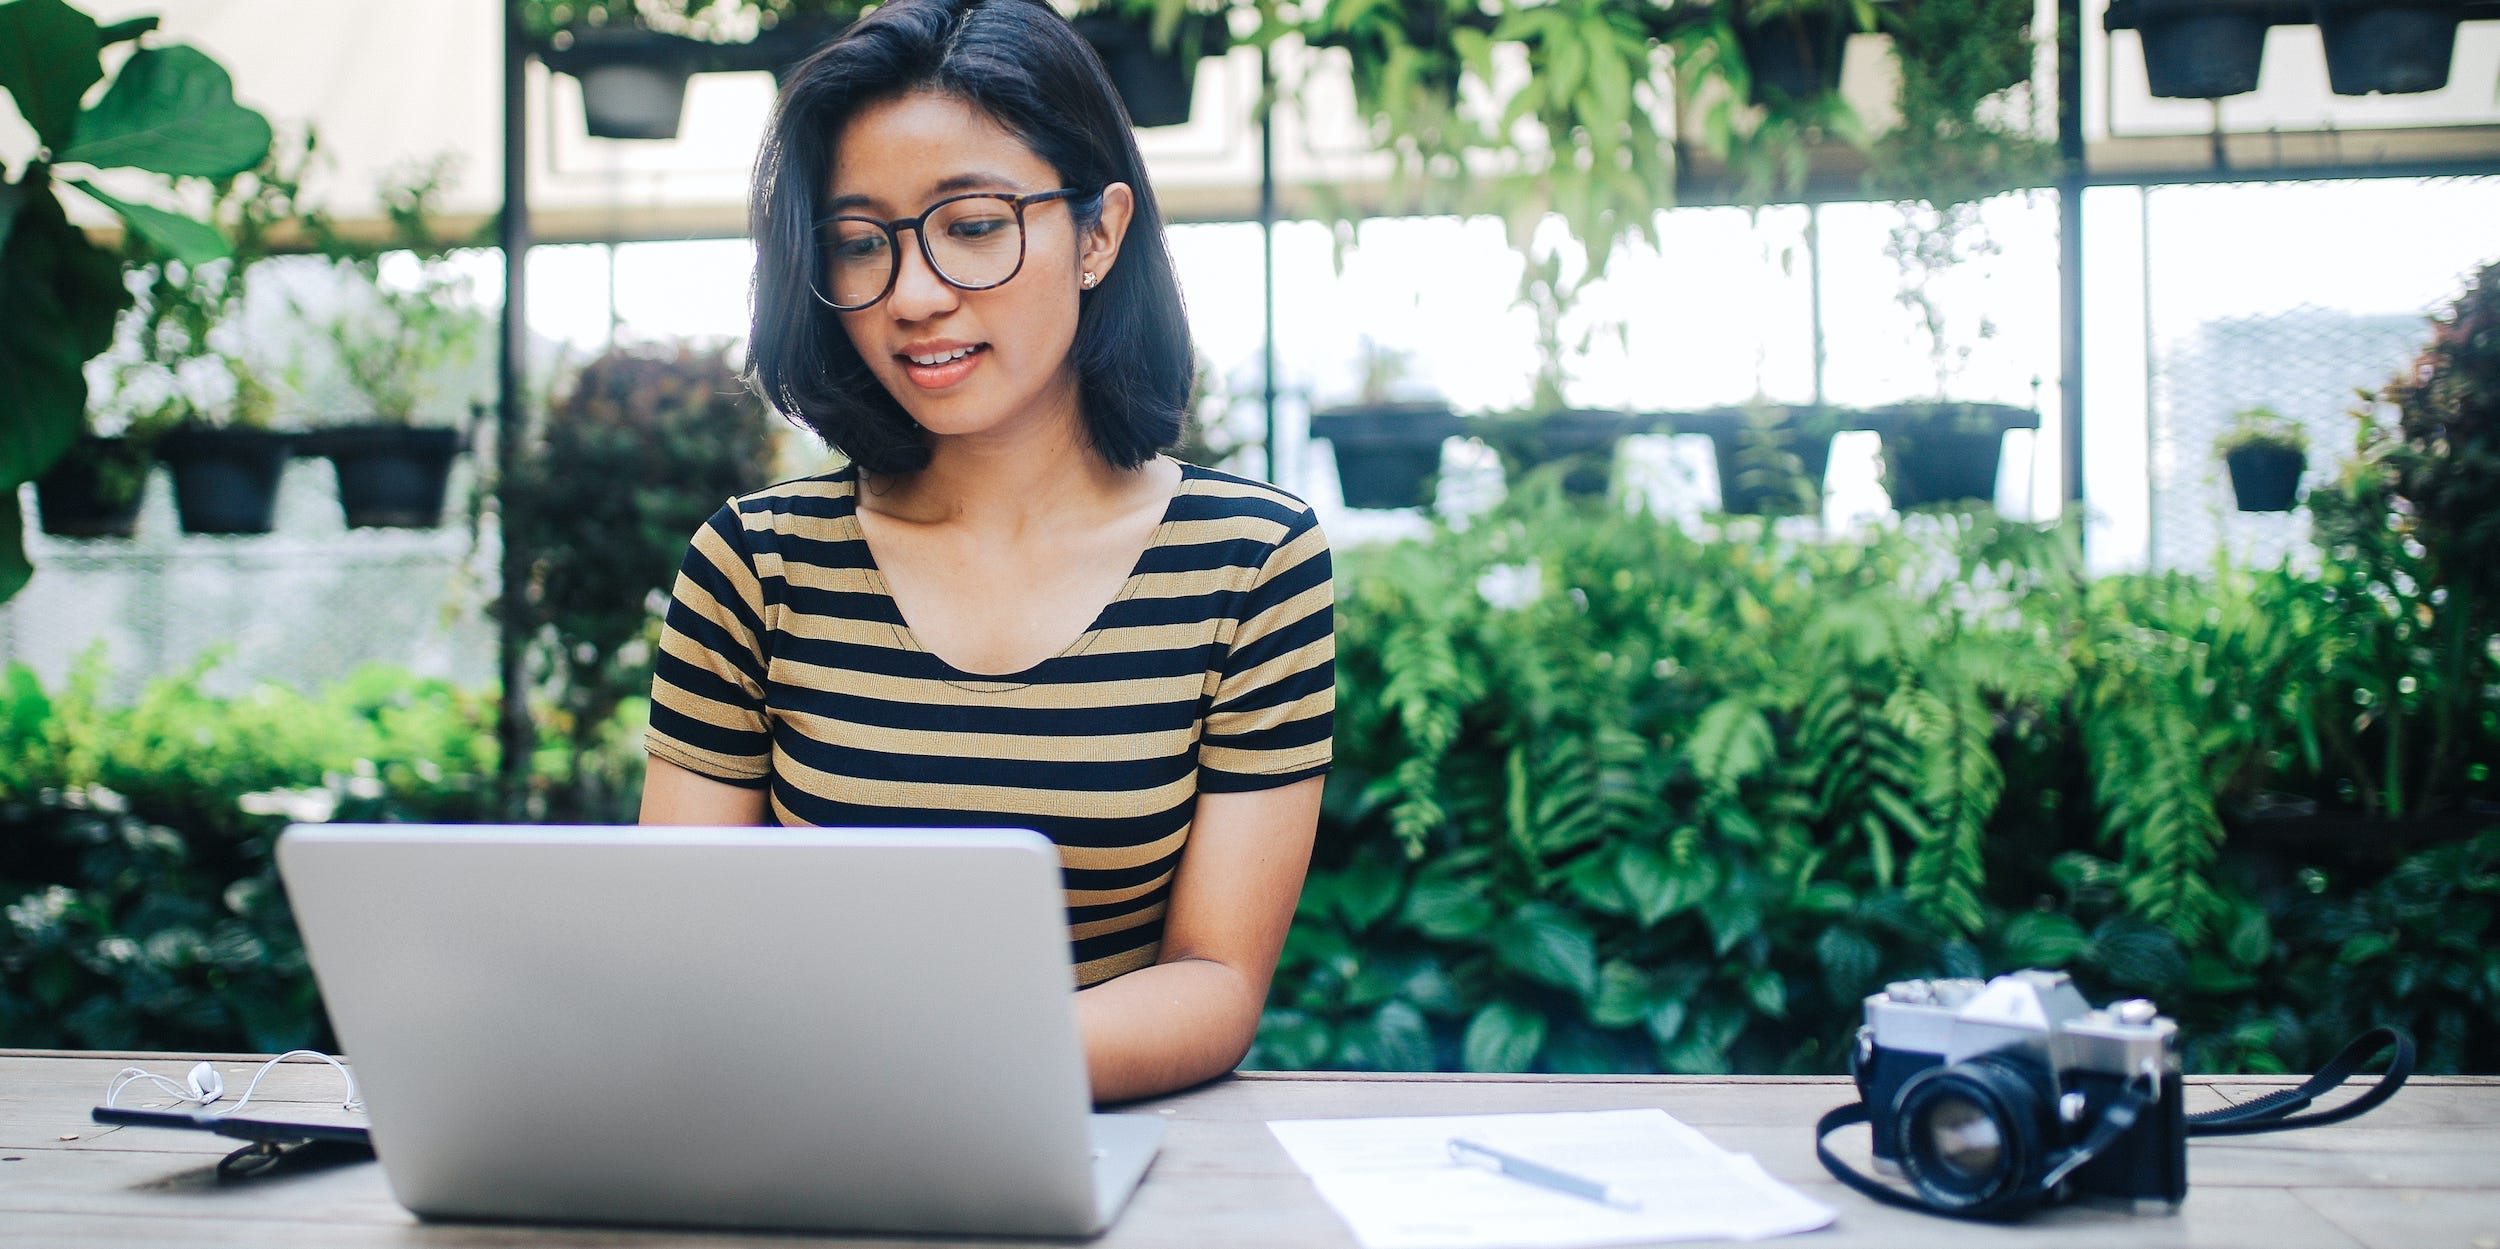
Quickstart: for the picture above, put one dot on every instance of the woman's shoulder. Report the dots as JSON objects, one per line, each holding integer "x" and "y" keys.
{"x": 827, "y": 494}
{"x": 1248, "y": 506}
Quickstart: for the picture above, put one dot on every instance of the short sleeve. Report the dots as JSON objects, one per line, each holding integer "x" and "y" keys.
{"x": 1276, "y": 691}
{"x": 707, "y": 681}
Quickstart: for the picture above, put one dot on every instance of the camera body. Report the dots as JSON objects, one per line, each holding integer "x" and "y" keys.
{"x": 1990, "y": 1098}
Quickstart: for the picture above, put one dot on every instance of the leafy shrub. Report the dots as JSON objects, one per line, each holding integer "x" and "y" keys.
{"x": 1612, "y": 795}
{"x": 143, "y": 909}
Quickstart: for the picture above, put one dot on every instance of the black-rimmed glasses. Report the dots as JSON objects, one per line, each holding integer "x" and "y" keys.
{"x": 972, "y": 242}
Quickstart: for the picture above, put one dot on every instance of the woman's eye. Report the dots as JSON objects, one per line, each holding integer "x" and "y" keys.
{"x": 975, "y": 229}
{"x": 853, "y": 250}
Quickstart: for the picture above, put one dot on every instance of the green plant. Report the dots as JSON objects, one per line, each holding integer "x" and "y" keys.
{"x": 397, "y": 337}
{"x": 2261, "y": 427}
{"x": 650, "y": 441}
{"x": 2447, "y": 466}
{"x": 168, "y": 110}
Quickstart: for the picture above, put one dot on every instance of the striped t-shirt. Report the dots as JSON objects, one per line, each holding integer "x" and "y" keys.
{"x": 786, "y": 664}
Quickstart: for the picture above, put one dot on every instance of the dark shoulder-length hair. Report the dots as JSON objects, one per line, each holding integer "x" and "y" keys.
{"x": 1020, "y": 63}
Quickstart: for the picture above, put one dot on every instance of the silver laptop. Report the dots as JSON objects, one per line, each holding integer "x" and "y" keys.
{"x": 865, "y": 1030}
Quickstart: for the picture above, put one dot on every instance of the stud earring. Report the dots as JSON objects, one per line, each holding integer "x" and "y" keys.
{"x": 1087, "y": 281}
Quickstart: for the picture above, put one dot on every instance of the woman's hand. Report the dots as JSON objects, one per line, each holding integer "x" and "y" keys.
{"x": 1191, "y": 1016}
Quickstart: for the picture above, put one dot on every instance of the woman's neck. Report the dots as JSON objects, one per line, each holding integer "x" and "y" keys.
{"x": 1008, "y": 481}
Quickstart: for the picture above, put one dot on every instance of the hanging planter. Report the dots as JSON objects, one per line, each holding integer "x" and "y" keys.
{"x": 2195, "y": 49}
{"x": 2266, "y": 452}
{"x": 225, "y": 480}
{"x": 2266, "y": 479}
{"x": 1155, "y": 82}
{"x": 390, "y": 476}
{"x": 94, "y": 491}
{"x": 1766, "y": 467}
{"x": 1794, "y": 55}
{"x": 2396, "y": 48}
{"x": 1387, "y": 453}
{"x": 633, "y": 80}
{"x": 1582, "y": 440}
{"x": 1945, "y": 455}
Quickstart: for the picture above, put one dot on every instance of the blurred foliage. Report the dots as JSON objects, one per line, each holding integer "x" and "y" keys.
{"x": 1615, "y": 793}
{"x": 142, "y": 905}
{"x": 650, "y": 441}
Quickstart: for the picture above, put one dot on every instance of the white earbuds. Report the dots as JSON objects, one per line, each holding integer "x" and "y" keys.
{"x": 206, "y": 1085}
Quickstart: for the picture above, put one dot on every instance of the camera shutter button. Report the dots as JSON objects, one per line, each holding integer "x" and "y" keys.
{"x": 2135, "y": 1011}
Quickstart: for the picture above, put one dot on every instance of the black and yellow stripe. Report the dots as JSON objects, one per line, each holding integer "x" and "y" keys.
{"x": 786, "y": 664}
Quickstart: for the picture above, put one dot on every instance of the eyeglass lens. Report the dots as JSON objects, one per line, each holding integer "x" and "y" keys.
{"x": 973, "y": 242}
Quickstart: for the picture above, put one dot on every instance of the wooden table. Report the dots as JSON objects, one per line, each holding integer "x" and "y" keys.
{"x": 2422, "y": 1172}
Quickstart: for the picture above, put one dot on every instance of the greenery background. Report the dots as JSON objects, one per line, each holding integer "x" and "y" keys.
{"x": 1612, "y": 794}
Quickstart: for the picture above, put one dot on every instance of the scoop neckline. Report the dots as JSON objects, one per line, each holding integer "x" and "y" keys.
{"x": 960, "y": 676}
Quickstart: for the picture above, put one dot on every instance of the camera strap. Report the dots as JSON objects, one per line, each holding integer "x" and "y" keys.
{"x": 2274, "y": 1111}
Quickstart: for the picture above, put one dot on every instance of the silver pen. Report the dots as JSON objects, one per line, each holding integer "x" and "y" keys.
{"x": 1518, "y": 1168}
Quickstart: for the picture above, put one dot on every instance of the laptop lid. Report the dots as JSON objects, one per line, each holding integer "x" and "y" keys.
{"x": 846, "y": 1030}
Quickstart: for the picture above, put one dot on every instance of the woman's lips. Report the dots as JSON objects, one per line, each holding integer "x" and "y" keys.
{"x": 941, "y": 376}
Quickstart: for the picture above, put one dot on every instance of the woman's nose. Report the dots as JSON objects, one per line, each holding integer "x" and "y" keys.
{"x": 918, "y": 290}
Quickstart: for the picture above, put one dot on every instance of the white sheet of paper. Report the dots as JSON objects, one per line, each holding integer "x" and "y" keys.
{"x": 1393, "y": 1181}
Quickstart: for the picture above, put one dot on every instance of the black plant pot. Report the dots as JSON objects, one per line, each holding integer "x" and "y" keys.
{"x": 1155, "y": 83}
{"x": 1582, "y": 439}
{"x": 2396, "y": 48}
{"x": 1747, "y": 487}
{"x": 2200, "y": 49}
{"x": 75, "y": 498}
{"x": 390, "y": 476}
{"x": 1794, "y": 55}
{"x": 2265, "y": 479}
{"x": 1387, "y": 454}
{"x": 633, "y": 80}
{"x": 1942, "y": 468}
{"x": 226, "y": 480}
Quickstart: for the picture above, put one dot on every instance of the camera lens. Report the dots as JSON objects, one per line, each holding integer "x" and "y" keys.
{"x": 1974, "y": 1137}
{"x": 1963, "y": 1139}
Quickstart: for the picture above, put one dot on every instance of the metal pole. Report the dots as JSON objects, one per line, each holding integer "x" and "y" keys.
{"x": 1814, "y": 292}
{"x": 2070, "y": 185}
{"x": 514, "y": 736}
{"x": 1267, "y": 257}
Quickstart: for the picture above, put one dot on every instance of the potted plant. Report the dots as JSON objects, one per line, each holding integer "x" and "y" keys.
{"x": 2196, "y": 49}
{"x": 2397, "y": 48}
{"x": 1388, "y": 449}
{"x": 168, "y": 110}
{"x": 95, "y": 488}
{"x": 2266, "y": 453}
{"x": 397, "y": 339}
{"x": 1150, "y": 49}
{"x": 1771, "y": 460}
{"x": 1945, "y": 455}
{"x": 633, "y": 61}
{"x": 1792, "y": 49}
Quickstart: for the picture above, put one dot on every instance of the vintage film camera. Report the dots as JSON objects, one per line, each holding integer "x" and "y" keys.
{"x": 1992, "y": 1098}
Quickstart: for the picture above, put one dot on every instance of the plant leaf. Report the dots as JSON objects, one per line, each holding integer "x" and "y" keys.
{"x": 62, "y": 294}
{"x": 1504, "y": 1036}
{"x": 172, "y": 111}
{"x": 189, "y": 241}
{"x": 1546, "y": 944}
{"x": 47, "y": 61}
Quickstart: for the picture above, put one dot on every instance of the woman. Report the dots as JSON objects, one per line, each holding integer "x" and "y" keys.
{"x": 1010, "y": 608}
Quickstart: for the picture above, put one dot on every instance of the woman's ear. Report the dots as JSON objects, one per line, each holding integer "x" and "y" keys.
{"x": 1102, "y": 242}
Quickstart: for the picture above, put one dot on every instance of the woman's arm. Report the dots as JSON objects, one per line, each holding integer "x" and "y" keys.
{"x": 674, "y": 795}
{"x": 1192, "y": 1015}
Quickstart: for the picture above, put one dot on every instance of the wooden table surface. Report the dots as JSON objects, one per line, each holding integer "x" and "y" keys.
{"x": 2422, "y": 1172}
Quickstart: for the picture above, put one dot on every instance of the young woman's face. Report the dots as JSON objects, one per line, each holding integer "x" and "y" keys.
{"x": 963, "y": 361}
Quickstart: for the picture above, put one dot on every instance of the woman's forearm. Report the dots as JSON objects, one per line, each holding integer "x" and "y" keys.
{"x": 1167, "y": 1027}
